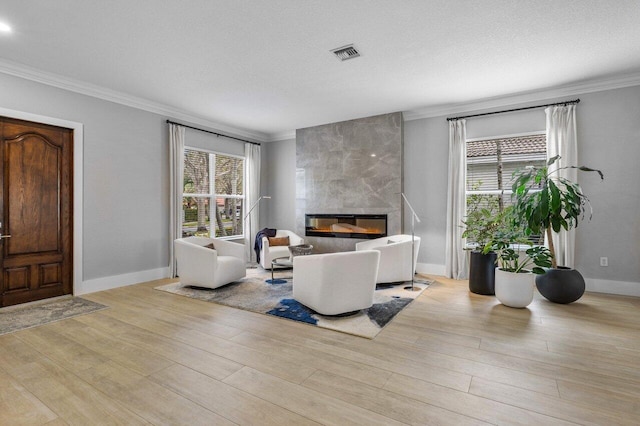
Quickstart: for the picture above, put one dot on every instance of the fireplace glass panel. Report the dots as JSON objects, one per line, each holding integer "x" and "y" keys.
{"x": 363, "y": 226}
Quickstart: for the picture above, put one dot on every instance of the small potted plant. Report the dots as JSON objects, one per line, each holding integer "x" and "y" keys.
{"x": 514, "y": 282}
{"x": 482, "y": 220}
{"x": 546, "y": 202}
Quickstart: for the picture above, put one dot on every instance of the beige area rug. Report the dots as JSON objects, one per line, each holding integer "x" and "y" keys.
{"x": 16, "y": 318}
{"x": 254, "y": 293}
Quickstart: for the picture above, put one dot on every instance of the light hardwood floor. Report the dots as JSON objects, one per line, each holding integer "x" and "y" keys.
{"x": 451, "y": 358}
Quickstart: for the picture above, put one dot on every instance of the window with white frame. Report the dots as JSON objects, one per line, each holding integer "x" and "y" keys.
{"x": 491, "y": 163}
{"x": 213, "y": 194}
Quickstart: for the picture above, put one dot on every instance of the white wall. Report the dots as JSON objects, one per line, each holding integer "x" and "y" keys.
{"x": 125, "y": 166}
{"x": 211, "y": 142}
{"x": 425, "y": 180}
{"x": 609, "y": 134}
{"x": 608, "y": 137}
{"x": 126, "y": 181}
{"x": 279, "y": 181}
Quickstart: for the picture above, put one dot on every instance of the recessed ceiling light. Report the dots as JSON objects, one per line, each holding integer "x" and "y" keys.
{"x": 4, "y": 28}
{"x": 373, "y": 155}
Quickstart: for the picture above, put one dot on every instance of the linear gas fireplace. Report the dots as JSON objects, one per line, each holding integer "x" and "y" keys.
{"x": 364, "y": 226}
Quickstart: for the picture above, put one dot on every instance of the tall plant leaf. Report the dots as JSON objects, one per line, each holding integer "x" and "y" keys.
{"x": 543, "y": 201}
{"x": 555, "y": 196}
{"x": 552, "y": 160}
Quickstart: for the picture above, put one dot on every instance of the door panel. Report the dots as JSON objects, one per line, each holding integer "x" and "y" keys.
{"x": 31, "y": 170}
{"x": 37, "y": 210}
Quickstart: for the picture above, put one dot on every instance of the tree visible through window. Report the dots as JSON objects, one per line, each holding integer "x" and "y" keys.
{"x": 491, "y": 164}
{"x": 212, "y": 181}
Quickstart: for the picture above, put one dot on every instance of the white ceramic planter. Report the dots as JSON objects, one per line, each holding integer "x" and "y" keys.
{"x": 514, "y": 290}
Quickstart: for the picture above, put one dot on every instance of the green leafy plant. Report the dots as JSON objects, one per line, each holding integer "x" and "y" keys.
{"x": 509, "y": 234}
{"x": 512, "y": 260}
{"x": 482, "y": 220}
{"x": 545, "y": 202}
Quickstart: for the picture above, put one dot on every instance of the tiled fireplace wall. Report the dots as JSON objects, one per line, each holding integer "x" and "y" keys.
{"x": 353, "y": 166}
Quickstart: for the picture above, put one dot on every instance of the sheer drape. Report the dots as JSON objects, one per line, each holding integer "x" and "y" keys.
{"x": 455, "y": 257}
{"x": 176, "y": 171}
{"x": 562, "y": 140}
{"x": 252, "y": 188}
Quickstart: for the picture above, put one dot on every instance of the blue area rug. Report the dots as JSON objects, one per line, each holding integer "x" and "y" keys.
{"x": 254, "y": 294}
{"x": 292, "y": 309}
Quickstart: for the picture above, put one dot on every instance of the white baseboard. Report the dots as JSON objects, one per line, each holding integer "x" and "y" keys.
{"x": 623, "y": 288}
{"x": 115, "y": 281}
{"x": 430, "y": 269}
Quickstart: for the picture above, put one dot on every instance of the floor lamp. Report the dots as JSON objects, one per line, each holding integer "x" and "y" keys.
{"x": 414, "y": 217}
{"x": 253, "y": 206}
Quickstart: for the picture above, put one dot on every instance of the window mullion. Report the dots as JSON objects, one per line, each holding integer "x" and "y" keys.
{"x": 237, "y": 197}
{"x": 213, "y": 205}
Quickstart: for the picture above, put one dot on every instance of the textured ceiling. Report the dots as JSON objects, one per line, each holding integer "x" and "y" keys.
{"x": 265, "y": 67}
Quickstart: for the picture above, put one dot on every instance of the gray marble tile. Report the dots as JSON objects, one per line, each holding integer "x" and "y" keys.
{"x": 350, "y": 167}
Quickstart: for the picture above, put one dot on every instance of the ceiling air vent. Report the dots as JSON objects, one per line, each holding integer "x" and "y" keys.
{"x": 346, "y": 52}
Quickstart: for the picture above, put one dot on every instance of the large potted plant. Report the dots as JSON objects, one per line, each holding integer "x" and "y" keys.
{"x": 514, "y": 281}
{"x": 482, "y": 220}
{"x": 546, "y": 202}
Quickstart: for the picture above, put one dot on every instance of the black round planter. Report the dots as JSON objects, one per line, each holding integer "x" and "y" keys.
{"x": 482, "y": 273}
{"x": 561, "y": 285}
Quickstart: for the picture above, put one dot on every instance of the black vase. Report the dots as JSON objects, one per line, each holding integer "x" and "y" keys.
{"x": 561, "y": 285}
{"x": 482, "y": 273}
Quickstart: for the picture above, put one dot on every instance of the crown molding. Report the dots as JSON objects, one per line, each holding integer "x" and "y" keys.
{"x": 610, "y": 83}
{"x": 84, "y": 88}
{"x": 617, "y": 82}
{"x": 281, "y": 136}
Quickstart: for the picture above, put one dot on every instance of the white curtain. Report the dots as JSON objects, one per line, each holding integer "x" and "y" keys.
{"x": 252, "y": 188}
{"x": 455, "y": 257}
{"x": 562, "y": 140}
{"x": 176, "y": 171}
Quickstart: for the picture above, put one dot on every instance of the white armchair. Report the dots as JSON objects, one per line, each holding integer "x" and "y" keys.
{"x": 336, "y": 283}
{"x": 396, "y": 264}
{"x": 268, "y": 253}
{"x": 205, "y": 267}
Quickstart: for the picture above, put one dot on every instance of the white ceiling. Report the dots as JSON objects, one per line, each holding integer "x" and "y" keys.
{"x": 264, "y": 68}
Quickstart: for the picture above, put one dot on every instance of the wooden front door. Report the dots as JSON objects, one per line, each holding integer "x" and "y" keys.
{"x": 36, "y": 211}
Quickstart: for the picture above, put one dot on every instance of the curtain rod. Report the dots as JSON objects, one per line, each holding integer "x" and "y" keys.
{"x": 213, "y": 133}
{"x": 575, "y": 101}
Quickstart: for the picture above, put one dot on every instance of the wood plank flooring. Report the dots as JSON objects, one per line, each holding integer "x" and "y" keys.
{"x": 450, "y": 358}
